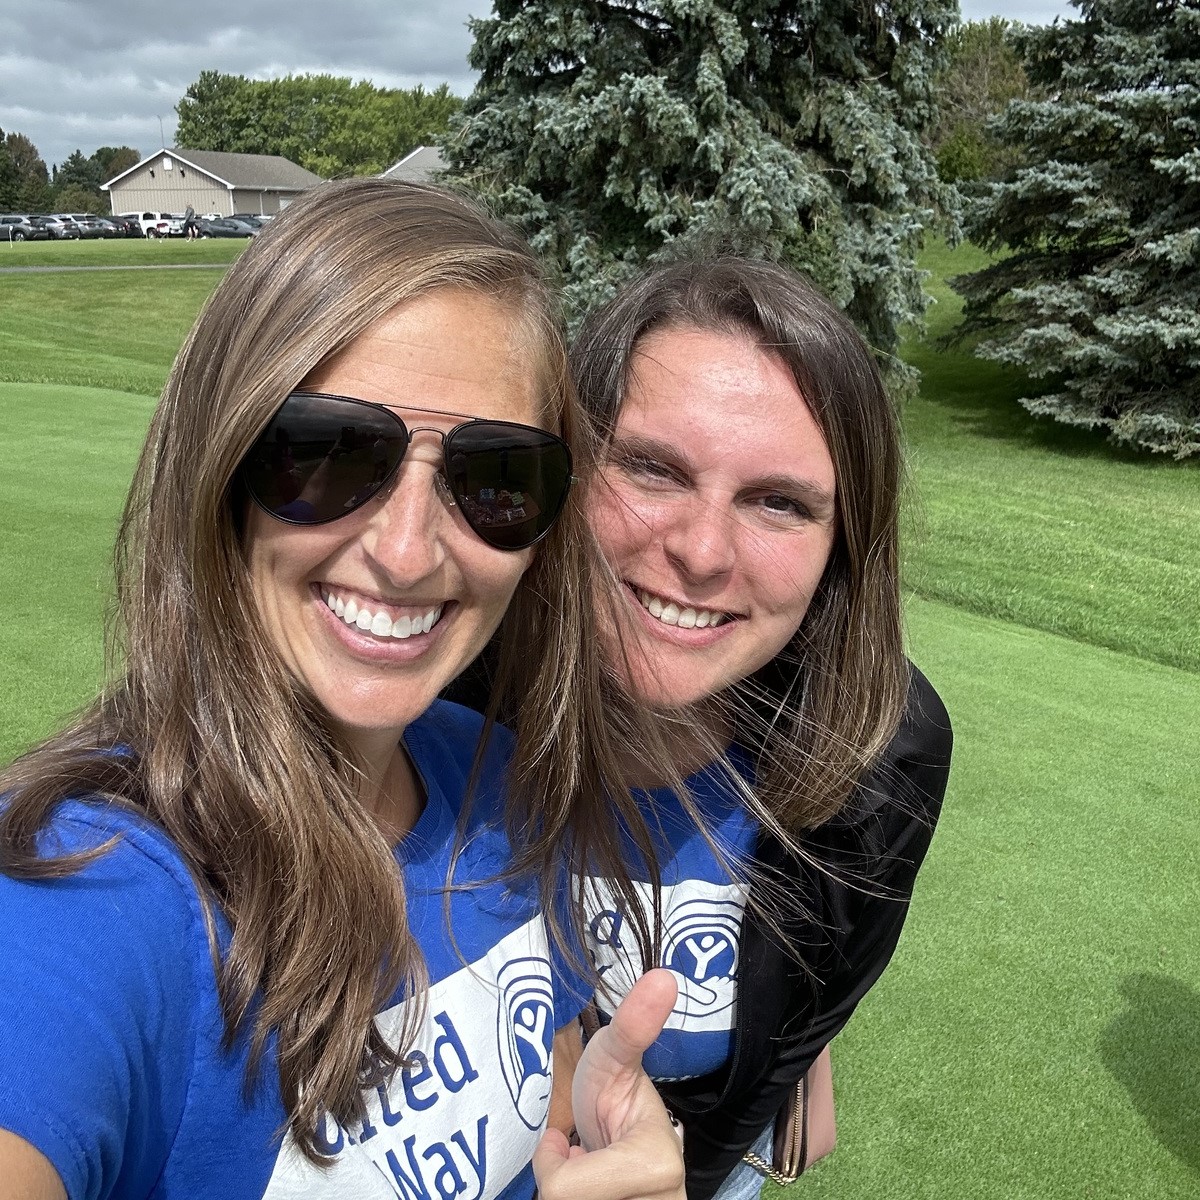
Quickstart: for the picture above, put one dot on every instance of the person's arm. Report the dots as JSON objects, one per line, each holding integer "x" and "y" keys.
{"x": 629, "y": 1148}
{"x": 27, "y": 1173}
{"x": 97, "y": 1012}
{"x": 875, "y": 848}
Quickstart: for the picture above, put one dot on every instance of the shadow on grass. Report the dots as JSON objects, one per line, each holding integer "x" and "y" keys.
{"x": 1150, "y": 1049}
{"x": 982, "y": 398}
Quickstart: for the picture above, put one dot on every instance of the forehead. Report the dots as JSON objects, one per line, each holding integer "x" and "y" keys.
{"x": 452, "y": 349}
{"x": 722, "y": 400}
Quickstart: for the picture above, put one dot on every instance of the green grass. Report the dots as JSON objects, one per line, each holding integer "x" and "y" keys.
{"x": 121, "y": 252}
{"x": 1021, "y": 518}
{"x": 118, "y": 330}
{"x": 67, "y": 456}
{"x": 1036, "y": 1034}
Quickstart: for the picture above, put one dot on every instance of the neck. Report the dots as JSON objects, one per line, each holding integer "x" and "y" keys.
{"x": 691, "y": 738}
{"x": 392, "y": 792}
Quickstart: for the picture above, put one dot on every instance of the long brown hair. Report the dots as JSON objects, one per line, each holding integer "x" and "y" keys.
{"x": 228, "y": 753}
{"x": 824, "y": 709}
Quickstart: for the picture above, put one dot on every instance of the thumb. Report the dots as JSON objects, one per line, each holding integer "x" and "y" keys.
{"x": 640, "y": 1017}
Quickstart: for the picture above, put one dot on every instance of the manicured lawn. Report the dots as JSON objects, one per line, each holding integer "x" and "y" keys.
{"x": 65, "y": 463}
{"x": 1036, "y": 1033}
{"x": 121, "y": 252}
{"x": 1021, "y": 518}
{"x": 98, "y": 329}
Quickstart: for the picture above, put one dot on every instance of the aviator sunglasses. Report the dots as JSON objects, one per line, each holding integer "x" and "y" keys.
{"x": 322, "y": 457}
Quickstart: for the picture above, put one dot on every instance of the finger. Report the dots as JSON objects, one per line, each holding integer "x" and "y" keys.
{"x": 644, "y": 1165}
{"x": 640, "y": 1017}
{"x": 554, "y": 1147}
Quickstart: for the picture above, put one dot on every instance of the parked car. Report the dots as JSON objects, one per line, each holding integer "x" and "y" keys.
{"x": 127, "y": 225}
{"x": 59, "y": 229}
{"x": 84, "y": 222}
{"x": 258, "y": 220}
{"x": 224, "y": 227}
{"x": 16, "y": 227}
{"x": 153, "y": 224}
{"x": 109, "y": 228}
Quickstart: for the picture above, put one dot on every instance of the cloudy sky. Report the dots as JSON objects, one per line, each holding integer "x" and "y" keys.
{"x": 81, "y": 74}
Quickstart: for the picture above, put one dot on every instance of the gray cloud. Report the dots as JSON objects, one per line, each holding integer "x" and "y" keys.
{"x": 77, "y": 74}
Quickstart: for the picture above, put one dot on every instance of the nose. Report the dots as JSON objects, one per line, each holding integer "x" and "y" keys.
{"x": 699, "y": 539}
{"x": 404, "y": 538}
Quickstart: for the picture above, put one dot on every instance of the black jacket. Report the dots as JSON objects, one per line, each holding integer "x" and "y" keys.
{"x": 789, "y": 1008}
{"x": 788, "y": 1011}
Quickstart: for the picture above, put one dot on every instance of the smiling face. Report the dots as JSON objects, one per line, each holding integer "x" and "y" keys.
{"x": 716, "y": 508}
{"x": 377, "y": 611}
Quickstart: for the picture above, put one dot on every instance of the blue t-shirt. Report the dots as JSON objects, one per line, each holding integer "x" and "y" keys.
{"x": 702, "y": 908}
{"x": 111, "y": 1028}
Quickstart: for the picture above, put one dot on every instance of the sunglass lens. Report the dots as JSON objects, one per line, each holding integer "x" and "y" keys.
{"x": 322, "y": 457}
{"x": 510, "y": 481}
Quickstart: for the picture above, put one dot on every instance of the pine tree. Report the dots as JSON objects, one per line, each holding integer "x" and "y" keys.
{"x": 614, "y": 132}
{"x": 1100, "y": 295}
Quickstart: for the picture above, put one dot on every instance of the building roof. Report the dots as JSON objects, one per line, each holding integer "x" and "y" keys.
{"x": 417, "y": 166}
{"x": 256, "y": 172}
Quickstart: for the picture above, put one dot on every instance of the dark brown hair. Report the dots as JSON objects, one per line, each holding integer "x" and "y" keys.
{"x": 824, "y": 708}
{"x": 232, "y": 756}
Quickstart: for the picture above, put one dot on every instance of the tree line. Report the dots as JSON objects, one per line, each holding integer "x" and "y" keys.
{"x": 26, "y": 185}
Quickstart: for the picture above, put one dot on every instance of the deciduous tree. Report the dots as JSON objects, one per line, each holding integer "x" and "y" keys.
{"x": 33, "y": 191}
{"x": 983, "y": 72}
{"x": 1100, "y": 294}
{"x": 113, "y": 160}
{"x": 329, "y": 124}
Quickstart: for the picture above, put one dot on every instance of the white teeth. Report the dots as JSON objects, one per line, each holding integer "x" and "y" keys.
{"x": 685, "y": 618}
{"x": 380, "y": 624}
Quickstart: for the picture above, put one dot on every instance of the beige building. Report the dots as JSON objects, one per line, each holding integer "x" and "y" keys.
{"x": 210, "y": 181}
{"x": 421, "y": 165}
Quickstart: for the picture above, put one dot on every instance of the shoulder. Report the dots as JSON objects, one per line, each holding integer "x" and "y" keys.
{"x": 906, "y": 784}
{"x": 140, "y": 878}
{"x": 925, "y": 729}
{"x": 105, "y": 984}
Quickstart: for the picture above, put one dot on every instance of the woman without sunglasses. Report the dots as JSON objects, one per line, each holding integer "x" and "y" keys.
{"x": 255, "y": 942}
{"x": 747, "y": 506}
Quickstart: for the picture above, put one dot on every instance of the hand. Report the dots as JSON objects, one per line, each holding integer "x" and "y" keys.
{"x": 630, "y": 1150}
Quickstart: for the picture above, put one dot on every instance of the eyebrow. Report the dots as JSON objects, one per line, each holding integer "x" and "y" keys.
{"x": 818, "y": 498}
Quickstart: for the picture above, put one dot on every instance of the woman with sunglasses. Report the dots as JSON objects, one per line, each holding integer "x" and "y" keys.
{"x": 747, "y": 509}
{"x": 271, "y": 911}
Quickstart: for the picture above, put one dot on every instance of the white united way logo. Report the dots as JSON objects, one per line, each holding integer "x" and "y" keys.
{"x": 701, "y": 949}
{"x": 525, "y": 1029}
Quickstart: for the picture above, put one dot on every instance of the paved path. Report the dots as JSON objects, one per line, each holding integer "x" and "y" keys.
{"x": 147, "y": 267}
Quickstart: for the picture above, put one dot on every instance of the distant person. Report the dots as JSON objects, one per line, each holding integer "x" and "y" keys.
{"x": 191, "y": 230}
